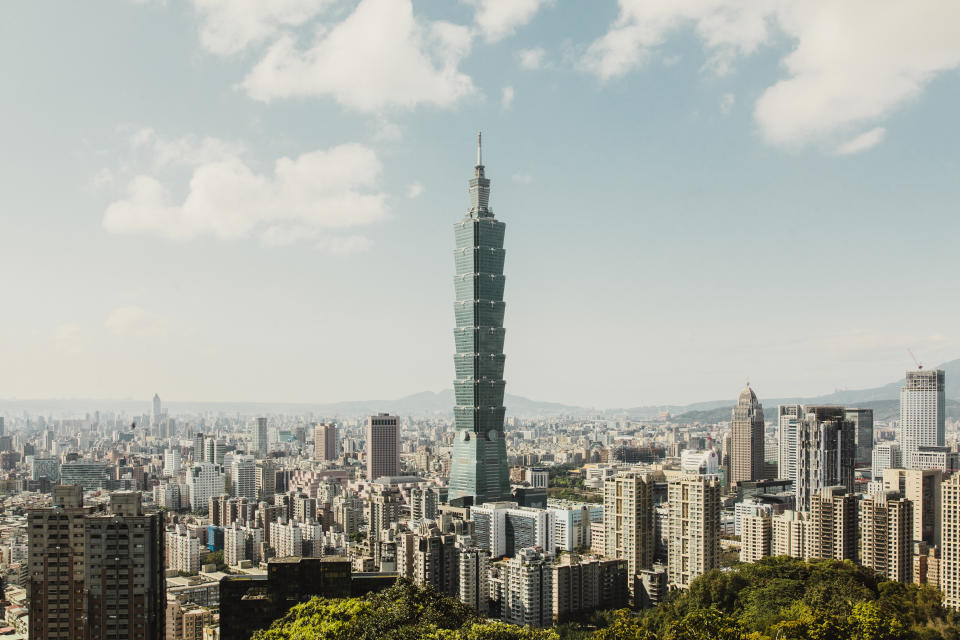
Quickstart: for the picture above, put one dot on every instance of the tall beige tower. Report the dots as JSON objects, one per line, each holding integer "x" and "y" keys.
{"x": 325, "y": 441}
{"x": 693, "y": 539}
{"x": 628, "y": 521}
{"x": 746, "y": 439}
{"x": 922, "y": 488}
{"x": 886, "y": 535}
{"x": 832, "y": 529}
{"x": 950, "y": 535}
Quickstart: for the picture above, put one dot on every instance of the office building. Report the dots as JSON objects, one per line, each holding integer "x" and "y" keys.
{"x": 479, "y": 471}
{"x": 886, "y": 535}
{"x": 124, "y": 572}
{"x": 325, "y": 441}
{"x": 886, "y": 455}
{"x": 383, "y": 446}
{"x": 862, "y": 421}
{"x": 260, "y": 438}
{"x": 922, "y": 487}
{"x": 504, "y": 528}
{"x": 746, "y": 438}
{"x": 825, "y": 453}
{"x": 628, "y": 520}
{"x": 89, "y": 475}
{"x": 527, "y": 598}
{"x": 832, "y": 527}
{"x": 693, "y": 536}
{"x": 204, "y": 481}
{"x": 45, "y": 468}
{"x": 922, "y": 415}
{"x": 243, "y": 474}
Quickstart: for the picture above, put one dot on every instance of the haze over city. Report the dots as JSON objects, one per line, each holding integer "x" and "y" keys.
{"x": 200, "y": 199}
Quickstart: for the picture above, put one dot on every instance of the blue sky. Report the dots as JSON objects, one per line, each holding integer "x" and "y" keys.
{"x": 240, "y": 200}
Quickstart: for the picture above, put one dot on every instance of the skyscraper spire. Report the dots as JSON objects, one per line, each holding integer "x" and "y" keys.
{"x": 479, "y": 148}
{"x": 479, "y": 185}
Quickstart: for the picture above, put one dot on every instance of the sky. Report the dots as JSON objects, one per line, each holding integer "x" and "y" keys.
{"x": 236, "y": 200}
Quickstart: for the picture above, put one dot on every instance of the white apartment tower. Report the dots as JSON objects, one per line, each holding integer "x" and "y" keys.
{"x": 244, "y": 476}
{"x": 204, "y": 480}
{"x": 788, "y": 420}
{"x": 922, "y": 419}
{"x": 628, "y": 521}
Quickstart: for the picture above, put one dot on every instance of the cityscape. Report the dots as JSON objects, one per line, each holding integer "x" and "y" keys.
{"x": 242, "y": 498}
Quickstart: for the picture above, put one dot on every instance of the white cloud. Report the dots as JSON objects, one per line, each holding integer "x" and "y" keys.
{"x": 862, "y": 142}
{"x": 531, "y": 59}
{"x": 415, "y": 190}
{"x": 853, "y": 63}
{"x": 387, "y": 131}
{"x": 506, "y": 98}
{"x": 230, "y": 26}
{"x": 726, "y": 27}
{"x": 498, "y": 19}
{"x": 727, "y": 101}
{"x": 136, "y": 322}
{"x": 379, "y": 57}
{"x": 304, "y": 196}
{"x": 188, "y": 150}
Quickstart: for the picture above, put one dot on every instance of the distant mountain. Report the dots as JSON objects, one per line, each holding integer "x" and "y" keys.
{"x": 885, "y": 400}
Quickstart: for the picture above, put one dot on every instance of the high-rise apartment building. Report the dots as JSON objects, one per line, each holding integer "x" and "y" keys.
{"x": 56, "y": 564}
{"x": 628, "y": 521}
{"x": 204, "y": 480}
{"x": 503, "y": 528}
{"x": 825, "y": 453}
{"x": 746, "y": 438}
{"x": 527, "y": 598}
{"x": 243, "y": 474}
{"x": 922, "y": 487}
{"x": 426, "y": 556}
{"x": 886, "y": 535}
{"x": 789, "y": 533}
{"x": 756, "y": 534}
{"x": 325, "y": 441}
{"x": 182, "y": 550}
{"x": 260, "y": 438}
{"x": 479, "y": 471}
{"x": 582, "y": 585}
{"x": 788, "y": 421}
{"x": 832, "y": 528}
{"x": 424, "y": 503}
{"x": 474, "y": 572}
{"x": 950, "y": 541}
{"x": 922, "y": 421}
{"x": 124, "y": 572}
{"x": 862, "y": 420}
{"x": 383, "y": 446}
{"x": 266, "y": 480}
{"x": 171, "y": 462}
{"x": 693, "y": 538}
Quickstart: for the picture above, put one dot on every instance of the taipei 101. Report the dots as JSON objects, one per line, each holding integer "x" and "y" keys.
{"x": 479, "y": 320}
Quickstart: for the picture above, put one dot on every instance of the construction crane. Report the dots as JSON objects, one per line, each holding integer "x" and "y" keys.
{"x": 917, "y": 362}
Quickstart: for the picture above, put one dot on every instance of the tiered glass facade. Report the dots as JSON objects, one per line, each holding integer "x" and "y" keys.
{"x": 479, "y": 467}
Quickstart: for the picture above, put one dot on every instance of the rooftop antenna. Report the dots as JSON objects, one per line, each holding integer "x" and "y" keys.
{"x": 917, "y": 362}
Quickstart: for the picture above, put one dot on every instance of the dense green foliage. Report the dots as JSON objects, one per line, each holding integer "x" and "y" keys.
{"x": 775, "y": 598}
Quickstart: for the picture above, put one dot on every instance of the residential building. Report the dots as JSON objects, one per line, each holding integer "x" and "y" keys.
{"x": 204, "y": 481}
{"x": 788, "y": 428}
{"x": 886, "y": 535}
{"x": 825, "y": 453}
{"x": 182, "y": 550}
{"x": 584, "y": 584}
{"x": 243, "y": 475}
{"x": 832, "y": 529}
{"x": 950, "y": 542}
{"x": 862, "y": 420}
{"x": 260, "y": 444}
{"x": 325, "y": 441}
{"x": 527, "y": 598}
{"x": 693, "y": 543}
{"x": 922, "y": 487}
{"x": 628, "y": 521}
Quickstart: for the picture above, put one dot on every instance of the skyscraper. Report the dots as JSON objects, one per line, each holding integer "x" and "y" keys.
{"x": 746, "y": 438}
{"x": 628, "y": 521}
{"x": 862, "y": 420}
{"x": 156, "y": 412}
{"x": 479, "y": 470}
{"x": 383, "y": 446}
{"x": 825, "y": 453}
{"x": 788, "y": 419}
{"x": 325, "y": 441}
{"x": 922, "y": 421}
{"x": 260, "y": 443}
{"x": 886, "y": 535}
{"x": 244, "y": 477}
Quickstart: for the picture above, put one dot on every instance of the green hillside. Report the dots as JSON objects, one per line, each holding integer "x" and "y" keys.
{"x": 781, "y": 598}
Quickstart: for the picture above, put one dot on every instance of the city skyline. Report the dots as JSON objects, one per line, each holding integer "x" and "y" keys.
{"x": 633, "y": 176}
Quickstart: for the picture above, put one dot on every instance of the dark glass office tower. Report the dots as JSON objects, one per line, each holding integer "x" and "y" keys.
{"x": 479, "y": 468}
